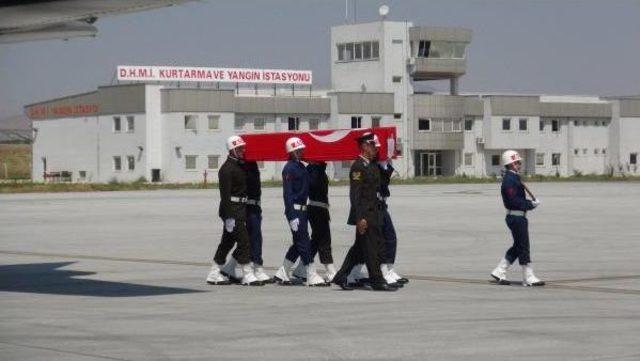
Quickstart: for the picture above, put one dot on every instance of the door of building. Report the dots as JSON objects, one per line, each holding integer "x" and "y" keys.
{"x": 430, "y": 164}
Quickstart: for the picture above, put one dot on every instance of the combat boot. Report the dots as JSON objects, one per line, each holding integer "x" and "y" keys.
{"x": 215, "y": 278}
{"x": 283, "y": 275}
{"x": 230, "y": 271}
{"x": 313, "y": 278}
{"x": 500, "y": 272}
{"x": 258, "y": 271}
{"x": 330, "y": 272}
{"x": 248, "y": 278}
{"x": 528, "y": 278}
{"x": 300, "y": 272}
{"x": 391, "y": 281}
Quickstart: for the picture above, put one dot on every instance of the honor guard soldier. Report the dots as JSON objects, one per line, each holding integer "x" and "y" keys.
{"x": 366, "y": 214}
{"x": 295, "y": 182}
{"x": 254, "y": 227}
{"x": 232, "y": 181}
{"x": 517, "y": 205}
{"x": 319, "y": 219}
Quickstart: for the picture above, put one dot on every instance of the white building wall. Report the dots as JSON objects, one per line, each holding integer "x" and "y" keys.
{"x": 473, "y": 145}
{"x": 553, "y": 142}
{"x": 630, "y": 143}
{"x": 67, "y": 144}
{"x": 123, "y": 143}
{"x": 587, "y": 151}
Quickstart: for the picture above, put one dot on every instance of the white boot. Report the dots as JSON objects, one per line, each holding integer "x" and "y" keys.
{"x": 215, "y": 278}
{"x": 500, "y": 272}
{"x": 300, "y": 272}
{"x": 330, "y": 272}
{"x": 258, "y": 271}
{"x": 356, "y": 274}
{"x": 313, "y": 278}
{"x": 528, "y": 278}
{"x": 248, "y": 278}
{"x": 384, "y": 268}
{"x": 283, "y": 275}
{"x": 229, "y": 270}
{"x": 399, "y": 279}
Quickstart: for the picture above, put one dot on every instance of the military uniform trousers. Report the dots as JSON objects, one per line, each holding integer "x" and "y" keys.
{"x": 369, "y": 248}
{"x": 519, "y": 227}
{"x": 301, "y": 243}
{"x": 390, "y": 238}
{"x": 238, "y": 237}
{"x": 319, "y": 220}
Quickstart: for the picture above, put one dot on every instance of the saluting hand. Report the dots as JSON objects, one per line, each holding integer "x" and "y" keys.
{"x": 362, "y": 226}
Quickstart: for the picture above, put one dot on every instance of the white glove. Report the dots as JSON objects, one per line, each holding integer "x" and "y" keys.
{"x": 229, "y": 224}
{"x": 384, "y": 164}
{"x": 535, "y": 202}
{"x": 294, "y": 223}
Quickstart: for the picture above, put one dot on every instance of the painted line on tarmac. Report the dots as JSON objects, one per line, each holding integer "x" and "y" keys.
{"x": 561, "y": 284}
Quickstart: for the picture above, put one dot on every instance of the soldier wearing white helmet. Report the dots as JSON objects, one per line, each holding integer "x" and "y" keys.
{"x": 517, "y": 205}
{"x": 232, "y": 180}
{"x": 295, "y": 182}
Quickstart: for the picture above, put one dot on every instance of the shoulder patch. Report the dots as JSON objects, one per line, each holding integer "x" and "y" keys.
{"x": 356, "y": 176}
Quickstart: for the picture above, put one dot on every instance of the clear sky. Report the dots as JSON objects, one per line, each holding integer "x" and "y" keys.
{"x": 537, "y": 46}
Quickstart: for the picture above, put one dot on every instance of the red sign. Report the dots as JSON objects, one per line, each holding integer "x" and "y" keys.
{"x": 61, "y": 111}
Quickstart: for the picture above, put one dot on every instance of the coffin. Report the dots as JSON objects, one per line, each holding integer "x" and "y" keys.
{"x": 321, "y": 145}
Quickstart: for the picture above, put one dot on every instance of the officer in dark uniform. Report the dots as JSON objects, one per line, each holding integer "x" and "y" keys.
{"x": 232, "y": 179}
{"x": 295, "y": 182}
{"x": 366, "y": 214}
{"x": 517, "y": 205}
{"x": 254, "y": 227}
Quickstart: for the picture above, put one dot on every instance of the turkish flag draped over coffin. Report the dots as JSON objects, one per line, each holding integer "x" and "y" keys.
{"x": 321, "y": 145}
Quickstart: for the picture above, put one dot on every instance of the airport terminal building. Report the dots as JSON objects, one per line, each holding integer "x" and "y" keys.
{"x": 176, "y": 131}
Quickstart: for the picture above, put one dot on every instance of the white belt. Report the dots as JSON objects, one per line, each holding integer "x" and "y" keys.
{"x": 253, "y": 202}
{"x": 319, "y": 204}
{"x": 300, "y": 207}
{"x": 238, "y": 199}
{"x": 511, "y": 212}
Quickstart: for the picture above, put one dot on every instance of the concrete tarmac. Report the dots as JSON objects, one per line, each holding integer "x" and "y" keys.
{"x": 120, "y": 276}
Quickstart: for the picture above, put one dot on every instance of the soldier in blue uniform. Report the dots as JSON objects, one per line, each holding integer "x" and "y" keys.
{"x": 517, "y": 205}
{"x": 295, "y": 182}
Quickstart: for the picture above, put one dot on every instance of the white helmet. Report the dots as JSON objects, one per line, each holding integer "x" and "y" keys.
{"x": 234, "y": 142}
{"x": 510, "y": 156}
{"x": 293, "y": 144}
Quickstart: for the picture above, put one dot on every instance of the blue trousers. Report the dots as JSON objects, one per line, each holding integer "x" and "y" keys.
{"x": 390, "y": 238}
{"x": 301, "y": 241}
{"x": 254, "y": 226}
{"x": 519, "y": 227}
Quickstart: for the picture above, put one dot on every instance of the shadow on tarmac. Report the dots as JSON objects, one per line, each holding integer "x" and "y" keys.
{"x": 47, "y": 278}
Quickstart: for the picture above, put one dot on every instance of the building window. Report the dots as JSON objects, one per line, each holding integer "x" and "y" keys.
{"x": 190, "y": 162}
{"x": 117, "y": 125}
{"x": 396, "y": 79}
{"x": 555, "y": 125}
{"x": 131, "y": 124}
{"x": 396, "y": 41}
{"x": 375, "y": 122}
{"x": 424, "y": 124}
{"x": 131, "y": 162}
{"x": 576, "y": 151}
{"x": 238, "y": 124}
{"x": 294, "y": 123}
{"x": 555, "y": 159}
{"x": 633, "y": 158}
{"x": 468, "y": 159}
{"x": 540, "y": 159}
{"x": 259, "y": 124}
{"x": 506, "y": 124}
{"x": 423, "y": 48}
{"x": 314, "y": 124}
{"x": 356, "y": 122}
{"x": 82, "y": 175}
{"x": 360, "y": 51}
{"x": 468, "y": 124}
{"x": 542, "y": 125}
{"x": 191, "y": 123}
{"x": 596, "y": 151}
{"x": 456, "y": 125}
{"x": 212, "y": 161}
{"x": 117, "y": 163}
{"x": 214, "y": 122}
{"x": 495, "y": 160}
{"x": 441, "y": 49}
{"x": 522, "y": 124}
{"x": 397, "y": 115}
{"x": 604, "y": 150}
{"x": 584, "y": 150}
{"x": 260, "y": 164}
